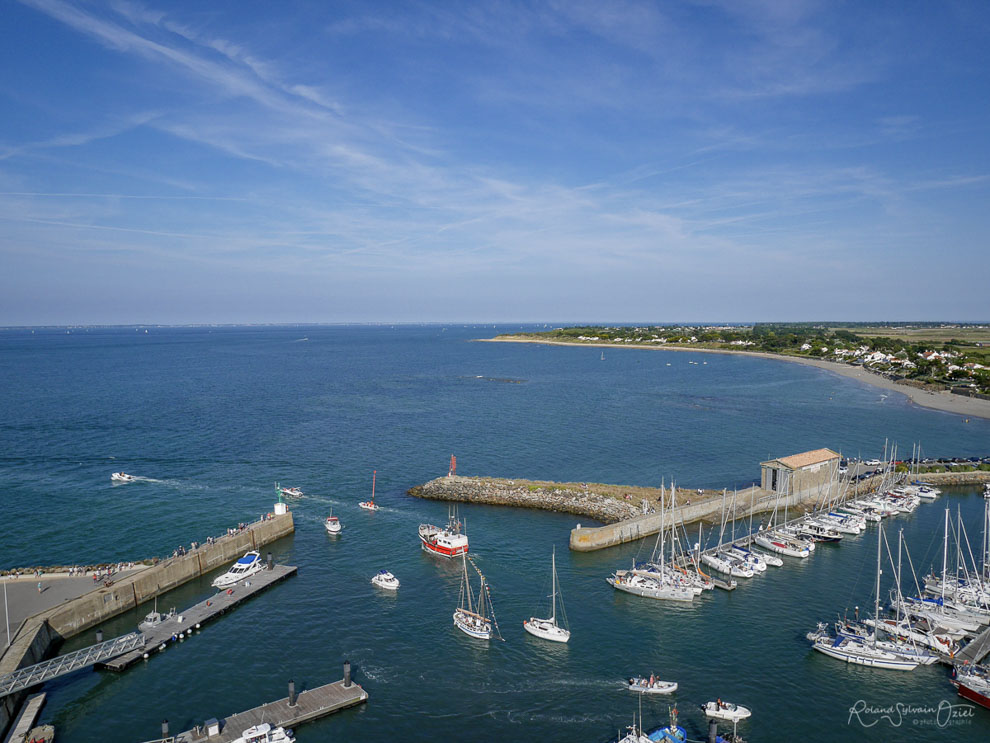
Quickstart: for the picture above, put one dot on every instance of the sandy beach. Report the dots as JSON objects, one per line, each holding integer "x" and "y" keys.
{"x": 945, "y": 401}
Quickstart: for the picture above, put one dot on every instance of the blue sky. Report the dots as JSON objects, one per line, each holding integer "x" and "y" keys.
{"x": 240, "y": 161}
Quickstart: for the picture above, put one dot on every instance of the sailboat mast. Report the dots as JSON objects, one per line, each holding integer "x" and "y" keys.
{"x": 467, "y": 583}
{"x": 876, "y": 604}
{"x": 945, "y": 552}
{"x": 900, "y": 540}
{"x": 553, "y": 586}
{"x": 374, "y": 474}
{"x": 663, "y": 527}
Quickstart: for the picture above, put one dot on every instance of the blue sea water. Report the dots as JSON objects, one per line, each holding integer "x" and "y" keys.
{"x": 214, "y": 416}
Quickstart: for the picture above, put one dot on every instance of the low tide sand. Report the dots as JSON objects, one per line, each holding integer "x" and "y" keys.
{"x": 944, "y": 401}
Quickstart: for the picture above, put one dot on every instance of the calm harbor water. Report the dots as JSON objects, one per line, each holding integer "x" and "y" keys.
{"x": 214, "y": 416}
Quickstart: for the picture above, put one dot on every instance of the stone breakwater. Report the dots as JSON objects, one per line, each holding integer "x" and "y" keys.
{"x": 577, "y": 499}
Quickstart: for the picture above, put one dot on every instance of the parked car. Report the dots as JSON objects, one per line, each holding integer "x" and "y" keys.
{"x": 872, "y": 462}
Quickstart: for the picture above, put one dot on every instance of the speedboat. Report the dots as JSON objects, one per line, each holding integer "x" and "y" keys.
{"x": 384, "y": 579}
{"x": 265, "y": 733}
{"x": 726, "y": 711}
{"x": 333, "y": 524}
{"x": 245, "y": 567}
{"x": 651, "y": 685}
{"x": 122, "y": 477}
{"x": 291, "y": 492}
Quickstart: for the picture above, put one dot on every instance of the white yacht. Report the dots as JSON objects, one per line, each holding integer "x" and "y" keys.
{"x": 265, "y": 733}
{"x": 851, "y": 651}
{"x": 245, "y": 567}
{"x": 640, "y": 585}
{"x": 332, "y": 524}
{"x": 384, "y": 579}
{"x": 548, "y": 629}
{"x": 781, "y": 544}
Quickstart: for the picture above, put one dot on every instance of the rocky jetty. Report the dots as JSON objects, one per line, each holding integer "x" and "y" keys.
{"x": 580, "y": 499}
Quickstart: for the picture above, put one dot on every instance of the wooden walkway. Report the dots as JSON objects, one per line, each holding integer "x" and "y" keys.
{"x": 976, "y": 650}
{"x": 25, "y": 721}
{"x": 310, "y": 705}
{"x": 160, "y": 637}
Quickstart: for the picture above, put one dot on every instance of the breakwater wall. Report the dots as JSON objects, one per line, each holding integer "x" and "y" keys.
{"x": 579, "y": 499}
{"x": 97, "y": 606}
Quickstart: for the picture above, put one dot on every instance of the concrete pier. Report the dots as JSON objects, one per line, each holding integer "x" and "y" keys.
{"x": 201, "y": 613}
{"x": 309, "y": 705}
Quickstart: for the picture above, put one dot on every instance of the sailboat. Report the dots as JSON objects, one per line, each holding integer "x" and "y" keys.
{"x": 474, "y": 618}
{"x": 659, "y": 580}
{"x": 332, "y": 524}
{"x": 369, "y": 505}
{"x": 865, "y": 651}
{"x": 548, "y": 629}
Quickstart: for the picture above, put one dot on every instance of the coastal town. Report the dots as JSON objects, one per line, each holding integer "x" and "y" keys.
{"x": 960, "y": 363}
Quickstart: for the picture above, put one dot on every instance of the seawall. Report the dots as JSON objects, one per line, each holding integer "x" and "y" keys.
{"x": 97, "y": 606}
{"x": 580, "y": 499}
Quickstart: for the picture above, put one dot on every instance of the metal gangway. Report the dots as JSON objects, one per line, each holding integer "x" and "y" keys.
{"x": 24, "y": 678}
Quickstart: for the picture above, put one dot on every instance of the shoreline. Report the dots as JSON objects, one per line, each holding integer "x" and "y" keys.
{"x": 945, "y": 402}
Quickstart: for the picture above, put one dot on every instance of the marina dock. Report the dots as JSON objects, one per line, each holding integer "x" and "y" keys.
{"x": 158, "y": 638}
{"x": 975, "y": 651}
{"x": 288, "y": 712}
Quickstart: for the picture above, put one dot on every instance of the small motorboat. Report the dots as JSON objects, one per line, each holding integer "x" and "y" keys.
{"x": 384, "y": 579}
{"x": 333, "y": 524}
{"x": 245, "y": 567}
{"x": 265, "y": 733}
{"x": 291, "y": 492}
{"x": 122, "y": 477}
{"x": 155, "y": 619}
{"x": 726, "y": 711}
{"x": 651, "y": 685}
